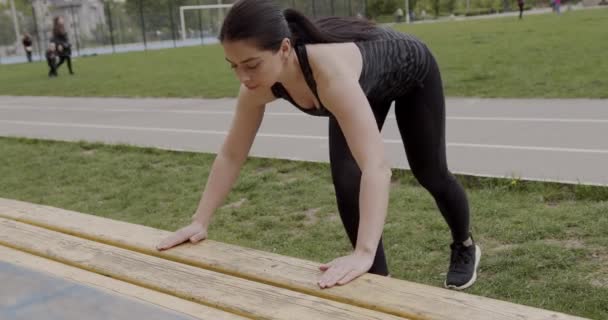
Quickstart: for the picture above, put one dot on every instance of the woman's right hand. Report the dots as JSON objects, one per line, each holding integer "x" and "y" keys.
{"x": 194, "y": 233}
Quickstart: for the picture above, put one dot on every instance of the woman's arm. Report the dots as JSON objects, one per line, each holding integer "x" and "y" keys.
{"x": 232, "y": 155}
{"x": 347, "y": 102}
{"x": 340, "y": 92}
{"x": 226, "y": 166}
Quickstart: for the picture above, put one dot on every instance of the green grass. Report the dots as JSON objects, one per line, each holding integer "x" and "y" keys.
{"x": 540, "y": 56}
{"x": 182, "y": 72}
{"x": 544, "y": 244}
{"x": 545, "y": 55}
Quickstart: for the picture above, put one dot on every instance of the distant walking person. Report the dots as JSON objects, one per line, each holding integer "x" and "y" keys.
{"x": 556, "y": 6}
{"x": 27, "y": 45}
{"x": 62, "y": 43}
{"x": 520, "y": 3}
{"x": 399, "y": 15}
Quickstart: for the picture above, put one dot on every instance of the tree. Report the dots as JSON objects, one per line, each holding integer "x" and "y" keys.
{"x": 7, "y": 31}
{"x": 381, "y": 7}
{"x": 451, "y": 5}
{"x": 436, "y": 5}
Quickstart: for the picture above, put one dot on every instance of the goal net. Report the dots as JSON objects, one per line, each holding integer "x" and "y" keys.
{"x": 202, "y": 21}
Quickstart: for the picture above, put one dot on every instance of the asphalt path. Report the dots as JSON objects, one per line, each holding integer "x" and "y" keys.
{"x": 563, "y": 140}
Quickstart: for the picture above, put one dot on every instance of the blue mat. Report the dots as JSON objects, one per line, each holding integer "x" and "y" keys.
{"x": 29, "y": 295}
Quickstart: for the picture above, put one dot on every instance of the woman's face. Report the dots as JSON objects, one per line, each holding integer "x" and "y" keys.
{"x": 253, "y": 67}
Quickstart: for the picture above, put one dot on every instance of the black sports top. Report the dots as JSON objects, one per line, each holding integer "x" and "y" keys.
{"x": 393, "y": 63}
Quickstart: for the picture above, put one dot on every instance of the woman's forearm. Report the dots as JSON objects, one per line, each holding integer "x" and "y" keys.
{"x": 373, "y": 204}
{"x": 224, "y": 173}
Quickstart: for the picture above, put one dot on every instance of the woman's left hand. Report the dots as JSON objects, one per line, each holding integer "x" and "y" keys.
{"x": 344, "y": 269}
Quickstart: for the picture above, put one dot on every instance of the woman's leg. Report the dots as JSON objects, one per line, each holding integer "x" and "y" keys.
{"x": 52, "y": 66}
{"x": 346, "y": 177}
{"x": 421, "y": 121}
{"x": 61, "y": 60}
{"x": 69, "y": 60}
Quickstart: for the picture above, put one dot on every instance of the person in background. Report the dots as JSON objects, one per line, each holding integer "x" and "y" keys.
{"x": 399, "y": 15}
{"x": 27, "y": 45}
{"x": 521, "y": 3}
{"x": 62, "y": 43}
{"x": 556, "y": 6}
{"x": 51, "y": 59}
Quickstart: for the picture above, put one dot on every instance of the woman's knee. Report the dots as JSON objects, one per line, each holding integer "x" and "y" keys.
{"x": 435, "y": 181}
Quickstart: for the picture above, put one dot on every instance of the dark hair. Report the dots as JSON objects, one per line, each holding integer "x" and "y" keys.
{"x": 267, "y": 25}
{"x": 58, "y": 29}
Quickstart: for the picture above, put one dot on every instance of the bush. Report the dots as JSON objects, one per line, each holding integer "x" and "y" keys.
{"x": 480, "y": 11}
{"x": 474, "y": 12}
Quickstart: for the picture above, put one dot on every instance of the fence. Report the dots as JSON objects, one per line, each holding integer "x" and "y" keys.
{"x": 109, "y": 26}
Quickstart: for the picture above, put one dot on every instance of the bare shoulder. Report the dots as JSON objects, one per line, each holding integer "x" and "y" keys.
{"x": 335, "y": 60}
{"x": 255, "y": 98}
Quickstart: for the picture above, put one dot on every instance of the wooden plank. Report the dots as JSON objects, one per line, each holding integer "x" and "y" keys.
{"x": 195, "y": 310}
{"x": 398, "y": 297}
{"x": 235, "y": 295}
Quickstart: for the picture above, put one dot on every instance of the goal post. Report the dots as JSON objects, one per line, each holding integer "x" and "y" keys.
{"x": 182, "y": 9}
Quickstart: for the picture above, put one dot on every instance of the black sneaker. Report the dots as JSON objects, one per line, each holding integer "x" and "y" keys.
{"x": 463, "y": 266}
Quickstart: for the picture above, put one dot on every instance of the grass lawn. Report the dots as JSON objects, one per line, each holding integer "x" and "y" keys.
{"x": 543, "y": 244}
{"x": 540, "y": 56}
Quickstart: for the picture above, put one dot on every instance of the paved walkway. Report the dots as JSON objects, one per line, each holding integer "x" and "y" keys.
{"x": 536, "y": 139}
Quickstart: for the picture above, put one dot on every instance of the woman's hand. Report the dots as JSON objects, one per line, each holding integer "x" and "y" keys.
{"x": 194, "y": 233}
{"x": 344, "y": 269}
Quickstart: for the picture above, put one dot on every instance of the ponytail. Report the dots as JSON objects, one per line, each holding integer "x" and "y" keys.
{"x": 328, "y": 30}
{"x": 264, "y": 22}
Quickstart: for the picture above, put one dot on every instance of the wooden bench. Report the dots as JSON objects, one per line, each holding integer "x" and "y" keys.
{"x": 213, "y": 280}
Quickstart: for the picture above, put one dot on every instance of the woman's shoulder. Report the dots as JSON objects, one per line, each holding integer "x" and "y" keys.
{"x": 331, "y": 52}
{"x": 335, "y": 59}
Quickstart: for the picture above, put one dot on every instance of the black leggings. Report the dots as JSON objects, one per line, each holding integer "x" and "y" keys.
{"x": 65, "y": 58}
{"x": 52, "y": 62}
{"x": 421, "y": 120}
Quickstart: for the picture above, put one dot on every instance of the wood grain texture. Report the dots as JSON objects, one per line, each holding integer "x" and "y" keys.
{"x": 113, "y": 286}
{"x": 398, "y": 297}
{"x": 235, "y": 295}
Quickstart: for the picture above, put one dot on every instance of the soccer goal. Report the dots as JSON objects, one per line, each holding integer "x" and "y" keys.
{"x": 183, "y": 9}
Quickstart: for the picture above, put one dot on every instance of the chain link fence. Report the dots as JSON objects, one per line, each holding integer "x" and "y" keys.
{"x": 110, "y": 26}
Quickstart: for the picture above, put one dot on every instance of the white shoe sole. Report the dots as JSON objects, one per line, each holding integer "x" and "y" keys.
{"x": 473, "y": 278}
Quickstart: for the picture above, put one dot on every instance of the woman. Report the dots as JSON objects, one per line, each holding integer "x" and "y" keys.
{"x": 350, "y": 71}
{"x": 27, "y": 46}
{"x": 62, "y": 43}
